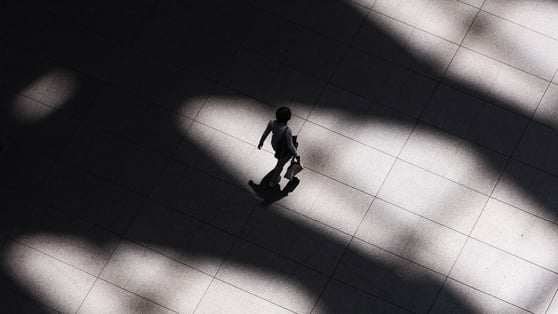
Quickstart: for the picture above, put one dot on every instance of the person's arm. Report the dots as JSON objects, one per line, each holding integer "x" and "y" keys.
{"x": 265, "y": 134}
{"x": 290, "y": 143}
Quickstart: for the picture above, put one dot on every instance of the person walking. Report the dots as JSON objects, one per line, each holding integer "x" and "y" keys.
{"x": 281, "y": 141}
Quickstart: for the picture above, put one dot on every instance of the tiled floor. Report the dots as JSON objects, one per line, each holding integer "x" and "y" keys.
{"x": 428, "y": 130}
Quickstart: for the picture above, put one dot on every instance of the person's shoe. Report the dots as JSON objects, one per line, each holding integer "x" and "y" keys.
{"x": 271, "y": 184}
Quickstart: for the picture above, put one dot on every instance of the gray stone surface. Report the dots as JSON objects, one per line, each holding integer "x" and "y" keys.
{"x": 506, "y": 41}
{"x": 224, "y": 298}
{"x": 432, "y": 197}
{"x": 410, "y": 236}
{"x": 276, "y": 279}
{"x": 477, "y": 301}
{"x": 548, "y": 109}
{"x": 518, "y": 233}
{"x": 388, "y": 276}
{"x": 539, "y": 148}
{"x": 498, "y": 273}
{"x": 58, "y": 285}
{"x": 161, "y": 279}
{"x": 446, "y": 19}
{"x": 107, "y": 298}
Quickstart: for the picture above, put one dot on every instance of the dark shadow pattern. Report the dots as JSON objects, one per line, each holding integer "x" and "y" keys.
{"x": 131, "y": 56}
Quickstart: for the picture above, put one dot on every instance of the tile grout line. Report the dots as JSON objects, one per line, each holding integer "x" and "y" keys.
{"x": 439, "y": 84}
{"x": 551, "y": 301}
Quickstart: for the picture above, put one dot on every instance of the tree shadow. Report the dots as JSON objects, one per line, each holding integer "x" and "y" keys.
{"x": 124, "y": 72}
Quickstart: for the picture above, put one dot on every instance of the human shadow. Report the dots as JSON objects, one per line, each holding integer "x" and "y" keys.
{"x": 103, "y": 150}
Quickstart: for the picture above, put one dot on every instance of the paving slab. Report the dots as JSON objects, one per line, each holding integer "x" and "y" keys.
{"x": 15, "y": 303}
{"x": 529, "y": 189}
{"x": 138, "y": 120}
{"x": 90, "y": 198}
{"x": 107, "y": 298}
{"x": 432, "y": 197}
{"x": 548, "y": 108}
{"x": 362, "y": 120}
{"x": 180, "y": 237}
{"x": 155, "y": 277}
{"x": 446, "y": 19}
{"x": 506, "y": 41}
{"x": 58, "y": 285}
{"x": 116, "y": 159}
{"x": 454, "y": 158}
{"x": 539, "y": 148}
{"x": 283, "y": 41}
{"x": 207, "y": 198}
{"x": 405, "y": 44}
{"x": 381, "y": 81}
{"x": 294, "y": 236}
{"x": 328, "y": 201}
{"x": 495, "y": 82}
{"x": 273, "y": 83}
{"x": 341, "y": 298}
{"x": 272, "y": 277}
{"x": 497, "y": 273}
{"x": 537, "y": 16}
{"x": 476, "y": 120}
{"x": 224, "y": 298}
{"x": 410, "y": 236}
{"x": 343, "y": 159}
{"x": 455, "y": 295}
{"x": 389, "y": 277}
{"x": 68, "y": 239}
{"x": 518, "y": 233}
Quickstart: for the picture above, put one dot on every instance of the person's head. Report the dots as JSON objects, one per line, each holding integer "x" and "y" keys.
{"x": 283, "y": 114}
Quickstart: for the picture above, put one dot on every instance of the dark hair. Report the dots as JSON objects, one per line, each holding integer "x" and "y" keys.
{"x": 283, "y": 114}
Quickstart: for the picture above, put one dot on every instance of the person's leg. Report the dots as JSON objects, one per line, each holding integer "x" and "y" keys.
{"x": 276, "y": 175}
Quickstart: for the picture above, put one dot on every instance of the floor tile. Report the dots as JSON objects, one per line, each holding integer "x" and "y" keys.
{"x": 390, "y": 277}
{"x": 271, "y": 277}
{"x": 539, "y": 148}
{"x": 459, "y": 298}
{"x": 224, "y": 156}
{"x": 328, "y": 201}
{"x": 446, "y": 19}
{"x": 224, "y": 298}
{"x": 241, "y": 117}
{"x": 404, "y": 44}
{"x": 518, "y": 233}
{"x": 18, "y": 304}
{"x": 68, "y": 239}
{"x": 155, "y": 277}
{"x": 548, "y": 108}
{"x": 207, "y": 198}
{"x": 383, "y": 82}
{"x": 296, "y": 237}
{"x": 362, "y": 120}
{"x": 475, "y": 120}
{"x": 410, "y": 236}
{"x": 317, "y": 15}
{"x": 530, "y": 189}
{"x": 454, "y": 158}
{"x": 496, "y": 82}
{"x": 553, "y": 308}
{"x": 504, "y": 41}
{"x": 138, "y": 120}
{"x": 538, "y": 16}
{"x": 343, "y": 159}
{"x": 43, "y": 278}
{"x": 432, "y": 197}
{"x": 48, "y": 82}
{"x": 282, "y": 41}
{"x": 500, "y": 274}
{"x": 115, "y": 159}
{"x": 341, "y": 298}
{"x": 273, "y": 83}
{"x": 179, "y": 237}
{"x": 90, "y": 198}
{"x": 107, "y": 298}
